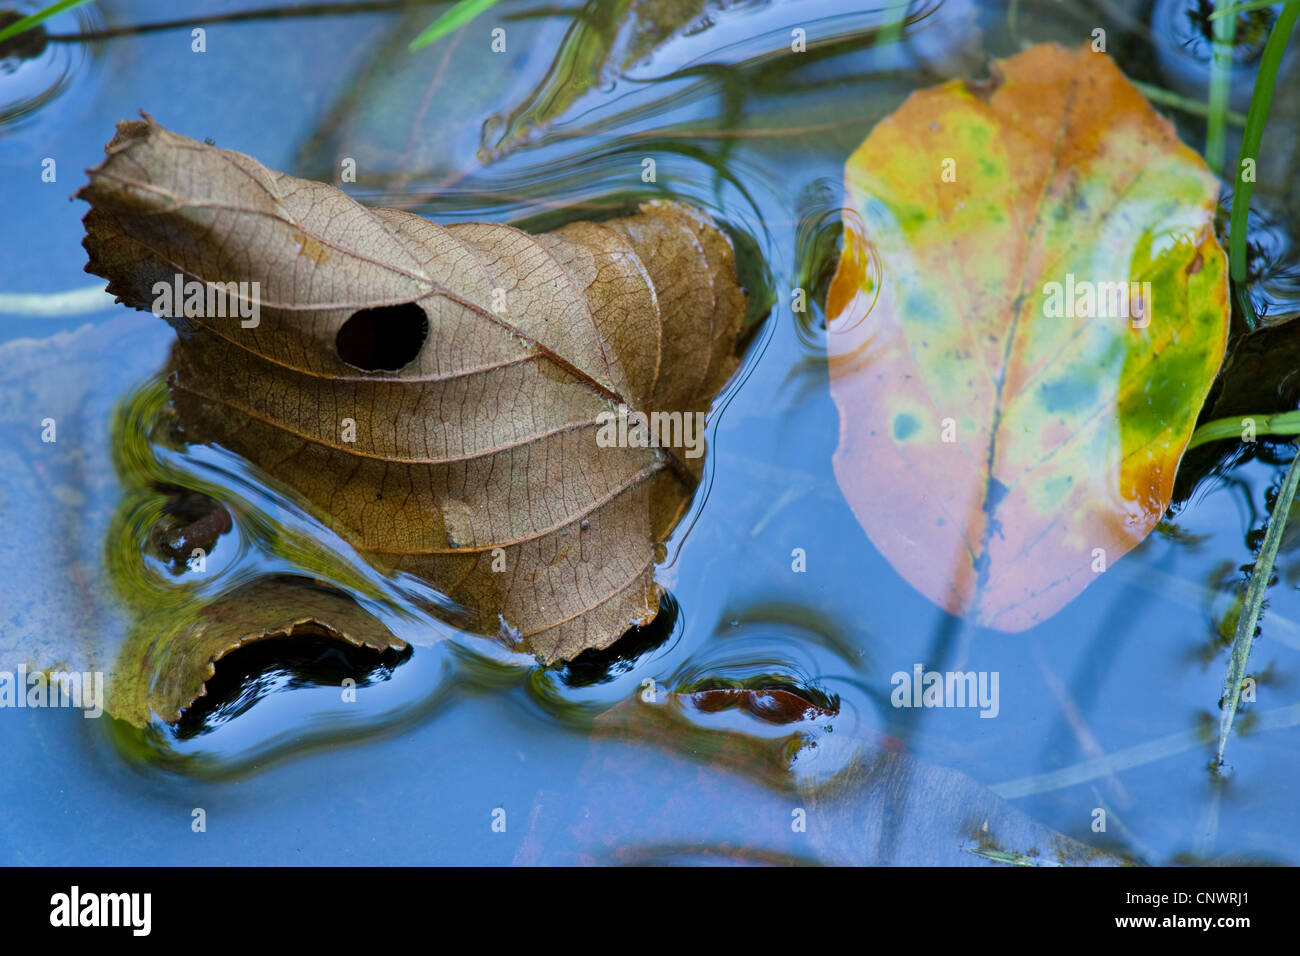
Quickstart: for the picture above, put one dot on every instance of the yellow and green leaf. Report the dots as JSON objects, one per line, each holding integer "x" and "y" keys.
{"x": 1028, "y": 313}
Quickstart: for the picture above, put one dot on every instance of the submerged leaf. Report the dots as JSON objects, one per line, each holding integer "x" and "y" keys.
{"x": 444, "y": 396}
{"x": 663, "y": 785}
{"x": 607, "y": 37}
{"x": 57, "y": 606}
{"x": 412, "y": 123}
{"x": 1029, "y": 311}
{"x": 61, "y": 601}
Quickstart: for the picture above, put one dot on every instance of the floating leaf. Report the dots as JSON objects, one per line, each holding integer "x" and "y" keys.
{"x": 1028, "y": 313}
{"x": 440, "y": 394}
{"x": 165, "y": 674}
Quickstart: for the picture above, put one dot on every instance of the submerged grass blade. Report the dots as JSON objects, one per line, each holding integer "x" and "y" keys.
{"x": 39, "y": 17}
{"x": 450, "y": 22}
{"x": 1254, "y": 603}
{"x": 1253, "y": 135}
{"x": 1139, "y": 755}
{"x": 1158, "y": 94}
{"x": 1241, "y": 8}
{"x": 1011, "y": 858}
{"x": 1225, "y": 32}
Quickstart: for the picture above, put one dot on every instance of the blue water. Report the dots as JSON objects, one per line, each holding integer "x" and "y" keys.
{"x": 417, "y": 770}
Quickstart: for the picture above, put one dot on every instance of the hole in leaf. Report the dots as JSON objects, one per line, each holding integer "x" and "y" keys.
{"x": 383, "y": 339}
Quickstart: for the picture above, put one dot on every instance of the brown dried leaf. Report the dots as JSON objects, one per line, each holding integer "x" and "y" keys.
{"x": 483, "y": 435}
{"x": 167, "y": 675}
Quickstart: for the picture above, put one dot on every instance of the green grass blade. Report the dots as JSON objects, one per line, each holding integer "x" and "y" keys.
{"x": 26, "y": 23}
{"x": 1283, "y": 423}
{"x": 1254, "y": 603}
{"x": 1253, "y": 135}
{"x": 451, "y": 21}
